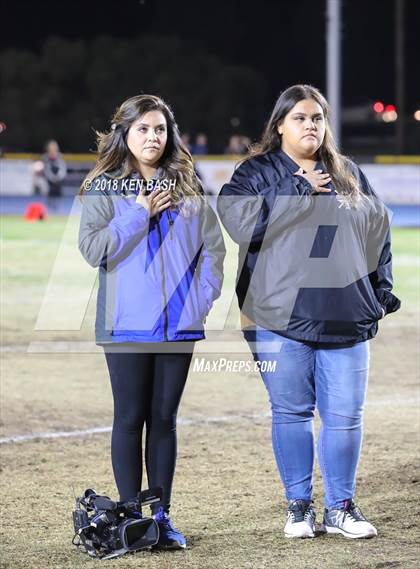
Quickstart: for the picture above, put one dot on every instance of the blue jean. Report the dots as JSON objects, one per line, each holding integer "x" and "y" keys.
{"x": 334, "y": 380}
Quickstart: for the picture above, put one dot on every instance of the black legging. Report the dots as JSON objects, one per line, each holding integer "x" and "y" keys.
{"x": 147, "y": 388}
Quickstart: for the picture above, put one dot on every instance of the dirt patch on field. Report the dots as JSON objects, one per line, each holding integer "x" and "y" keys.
{"x": 227, "y": 497}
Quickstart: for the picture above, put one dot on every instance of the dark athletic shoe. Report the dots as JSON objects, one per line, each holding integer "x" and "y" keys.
{"x": 348, "y": 521}
{"x": 300, "y": 519}
{"x": 169, "y": 536}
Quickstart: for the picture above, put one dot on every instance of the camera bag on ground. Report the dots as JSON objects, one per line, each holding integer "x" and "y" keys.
{"x": 107, "y": 529}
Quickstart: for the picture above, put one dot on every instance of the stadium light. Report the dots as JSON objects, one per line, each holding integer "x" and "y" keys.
{"x": 390, "y": 116}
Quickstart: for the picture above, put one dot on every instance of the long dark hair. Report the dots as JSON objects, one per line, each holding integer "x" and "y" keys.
{"x": 176, "y": 161}
{"x": 336, "y": 164}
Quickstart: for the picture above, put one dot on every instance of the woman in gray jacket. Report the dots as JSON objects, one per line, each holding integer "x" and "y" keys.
{"x": 146, "y": 225}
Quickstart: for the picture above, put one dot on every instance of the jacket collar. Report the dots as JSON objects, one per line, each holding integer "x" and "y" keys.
{"x": 285, "y": 165}
{"x": 160, "y": 173}
{"x": 287, "y": 162}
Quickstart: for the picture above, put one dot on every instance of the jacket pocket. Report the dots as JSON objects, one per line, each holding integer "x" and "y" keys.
{"x": 372, "y": 306}
{"x": 193, "y": 309}
{"x": 202, "y": 301}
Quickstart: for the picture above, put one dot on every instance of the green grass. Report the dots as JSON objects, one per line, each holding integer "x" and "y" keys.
{"x": 406, "y": 266}
{"x": 16, "y": 228}
{"x": 405, "y": 241}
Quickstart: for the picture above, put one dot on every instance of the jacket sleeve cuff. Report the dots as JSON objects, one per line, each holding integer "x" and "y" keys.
{"x": 389, "y": 302}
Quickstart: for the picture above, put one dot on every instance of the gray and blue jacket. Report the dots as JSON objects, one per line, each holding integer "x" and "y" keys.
{"x": 158, "y": 276}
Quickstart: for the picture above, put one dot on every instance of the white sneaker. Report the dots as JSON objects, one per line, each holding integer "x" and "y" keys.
{"x": 300, "y": 519}
{"x": 348, "y": 521}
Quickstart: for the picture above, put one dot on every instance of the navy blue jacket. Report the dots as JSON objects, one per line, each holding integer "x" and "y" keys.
{"x": 310, "y": 267}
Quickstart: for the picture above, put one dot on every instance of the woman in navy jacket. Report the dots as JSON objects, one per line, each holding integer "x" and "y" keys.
{"x": 314, "y": 278}
{"x": 147, "y": 227}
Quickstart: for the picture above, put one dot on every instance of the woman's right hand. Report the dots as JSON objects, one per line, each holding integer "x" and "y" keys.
{"x": 155, "y": 202}
{"x": 316, "y": 178}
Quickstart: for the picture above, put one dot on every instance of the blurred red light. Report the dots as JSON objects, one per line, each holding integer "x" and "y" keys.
{"x": 378, "y": 107}
{"x": 390, "y": 108}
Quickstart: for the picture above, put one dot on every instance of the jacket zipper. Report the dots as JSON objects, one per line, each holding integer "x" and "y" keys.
{"x": 170, "y": 221}
{"x": 165, "y": 309}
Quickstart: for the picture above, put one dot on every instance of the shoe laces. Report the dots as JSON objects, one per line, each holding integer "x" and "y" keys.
{"x": 298, "y": 510}
{"x": 353, "y": 512}
{"x": 163, "y": 519}
{"x": 309, "y": 514}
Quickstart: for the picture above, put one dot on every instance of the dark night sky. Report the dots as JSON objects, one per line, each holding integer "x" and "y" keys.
{"x": 285, "y": 40}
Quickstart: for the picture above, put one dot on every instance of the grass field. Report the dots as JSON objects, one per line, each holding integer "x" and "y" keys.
{"x": 227, "y": 498}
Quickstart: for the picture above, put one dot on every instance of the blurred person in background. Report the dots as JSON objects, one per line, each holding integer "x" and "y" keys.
{"x": 200, "y": 146}
{"x": 246, "y": 143}
{"x": 54, "y": 171}
{"x": 147, "y": 225}
{"x": 39, "y": 182}
{"x": 186, "y": 140}
{"x": 238, "y": 144}
{"x": 314, "y": 279}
